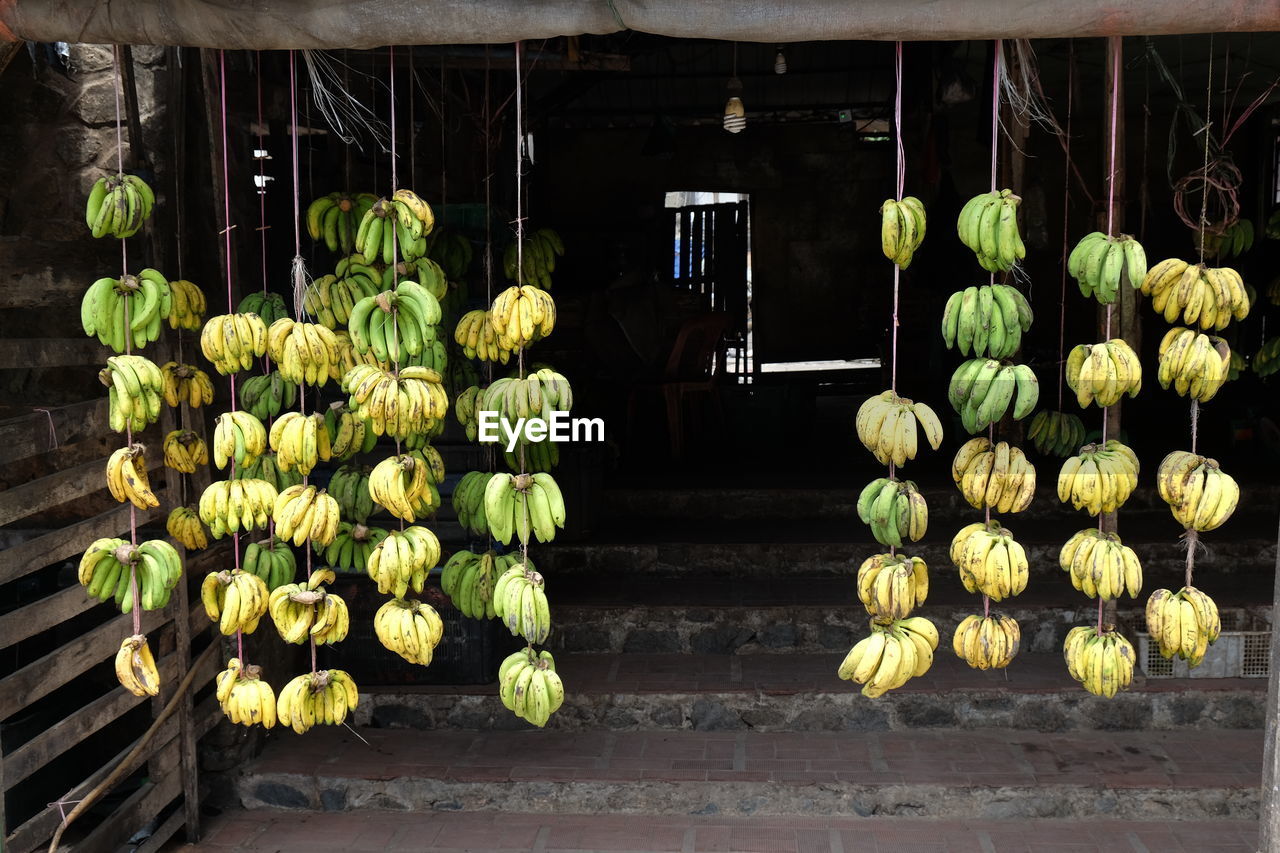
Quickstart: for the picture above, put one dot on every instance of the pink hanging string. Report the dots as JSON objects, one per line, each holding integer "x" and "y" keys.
{"x": 1066, "y": 212}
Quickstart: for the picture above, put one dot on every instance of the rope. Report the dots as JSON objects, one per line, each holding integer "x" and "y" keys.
{"x": 1115, "y": 47}
{"x": 520, "y": 141}
{"x": 395, "y": 250}
{"x": 995, "y": 117}
{"x": 1204, "y": 191}
{"x": 1066, "y": 211}
{"x": 897, "y": 271}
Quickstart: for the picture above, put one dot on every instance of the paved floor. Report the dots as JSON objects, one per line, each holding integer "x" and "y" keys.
{"x": 453, "y": 832}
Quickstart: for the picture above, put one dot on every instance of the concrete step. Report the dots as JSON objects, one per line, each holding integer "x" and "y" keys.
{"x": 800, "y": 692}
{"x": 987, "y": 774}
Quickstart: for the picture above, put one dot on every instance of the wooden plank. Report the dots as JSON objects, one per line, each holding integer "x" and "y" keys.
{"x": 28, "y": 353}
{"x": 27, "y": 283}
{"x": 67, "y": 734}
{"x": 156, "y": 842}
{"x": 48, "y": 612}
{"x": 67, "y": 542}
{"x": 30, "y": 434}
{"x": 61, "y": 487}
{"x": 46, "y": 674}
{"x": 134, "y": 813}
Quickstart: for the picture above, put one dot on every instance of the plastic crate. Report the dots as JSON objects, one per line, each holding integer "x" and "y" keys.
{"x": 1242, "y": 650}
{"x": 468, "y": 653}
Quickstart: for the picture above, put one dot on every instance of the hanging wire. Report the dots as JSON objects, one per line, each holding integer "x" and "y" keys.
{"x": 1066, "y": 212}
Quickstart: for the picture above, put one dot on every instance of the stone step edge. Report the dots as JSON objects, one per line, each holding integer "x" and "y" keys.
{"x": 662, "y": 797}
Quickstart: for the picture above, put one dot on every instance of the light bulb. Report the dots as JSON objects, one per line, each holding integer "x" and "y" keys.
{"x": 780, "y": 63}
{"x": 735, "y": 115}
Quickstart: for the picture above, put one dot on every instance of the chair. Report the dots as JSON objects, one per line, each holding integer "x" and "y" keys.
{"x": 688, "y": 373}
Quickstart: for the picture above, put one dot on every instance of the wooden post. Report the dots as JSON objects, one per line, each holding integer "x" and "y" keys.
{"x": 1269, "y": 830}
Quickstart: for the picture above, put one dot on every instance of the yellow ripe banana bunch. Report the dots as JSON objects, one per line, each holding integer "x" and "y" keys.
{"x": 988, "y": 225}
{"x": 1100, "y": 566}
{"x": 1267, "y": 361}
{"x": 479, "y": 339}
{"x": 1100, "y": 478}
{"x": 185, "y": 526}
{"x": 409, "y": 628}
{"x": 305, "y": 513}
{"x": 886, "y": 425}
{"x": 982, "y": 389}
{"x": 317, "y": 698}
{"x": 541, "y": 248}
{"x": 271, "y": 560}
{"x": 522, "y": 315}
{"x": 238, "y": 437}
{"x": 523, "y": 505}
{"x": 304, "y": 352}
{"x": 1201, "y": 495}
{"x": 902, "y": 225}
{"x": 265, "y": 468}
{"x": 403, "y": 560}
{"x": 188, "y": 306}
{"x": 397, "y": 406}
{"x": 186, "y": 383}
{"x": 245, "y": 697}
{"x": 997, "y": 476}
{"x": 529, "y": 686}
{"x": 520, "y": 601}
{"x": 1197, "y": 365}
{"x": 891, "y": 656}
{"x": 268, "y": 306}
{"x": 300, "y": 442}
{"x": 402, "y": 485}
{"x": 335, "y": 218}
{"x": 135, "y": 396}
{"x": 118, "y": 205}
{"x": 231, "y": 342}
{"x": 349, "y": 486}
{"x": 987, "y": 642}
{"x": 1198, "y": 294}
{"x": 1056, "y": 433}
{"x": 987, "y": 320}
{"x": 229, "y": 506}
{"x": 350, "y": 549}
{"x": 989, "y": 560}
{"x": 1103, "y": 373}
{"x": 136, "y": 668}
{"x": 426, "y": 272}
{"x": 395, "y": 325}
{"x": 348, "y": 434}
{"x": 1184, "y": 623}
{"x": 306, "y": 610}
{"x": 127, "y": 477}
{"x": 1101, "y": 662}
{"x": 128, "y": 310}
{"x": 468, "y": 579}
{"x": 891, "y": 586}
{"x": 895, "y": 510}
{"x": 265, "y": 397}
{"x": 1232, "y": 241}
{"x": 468, "y": 502}
{"x": 1102, "y": 265}
{"x": 235, "y": 600}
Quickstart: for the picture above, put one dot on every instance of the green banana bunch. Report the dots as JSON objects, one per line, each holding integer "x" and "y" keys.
{"x": 395, "y": 226}
{"x": 982, "y": 389}
{"x": 129, "y": 311}
{"x": 267, "y": 396}
{"x": 893, "y": 654}
{"x": 988, "y": 225}
{"x": 1196, "y": 365}
{"x": 902, "y": 225}
{"x": 469, "y": 502}
{"x": 1103, "y": 264}
{"x": 1273, "y": 225}
{"x": 118, "y": 205}
{"x": 348, "y": 434}
{"x": 424, "y": 271}
{"x": 350, "y": 549}
{"x": 1103, "y": 373}
{"x": 271, "y": 560}
{"x": 1230, "y": 241}
{"x": 1267, "y": 361}
{"x": 987, "y": 320}
{"x": 1100, "y": 565}
{"x": 987, "y": 642}
{"x": 541, "y": 248}
{"x": 464, "y": 409}
{"x": 895, "y": 510}
{"x": 537, "y": 395}
{"x": 266, "y": 468}
{"x": 136, "y": 392}
{"x": 529, "y": 686}
{"x": 268, "y": 306}
{"x": 453, "y": 252}
{"x": 1184, "y": 623}
{"x": 1236, "y": 366}
{"x": 108, "y": 566}
{"x": 538, "y": 456}
{"x": 335, "y": 218}
{"x": 524, "y": 506}
{"x": 330, "y": 299}
{"x": 469, "y": 579}
{"x": 395, "y": 324}
{"x": 349, "y": 485}
{"x": 1101, "y": 662}
{"x": 1056, "y": 433}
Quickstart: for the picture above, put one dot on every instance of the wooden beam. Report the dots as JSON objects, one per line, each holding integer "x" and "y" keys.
{"x": 66, "y": 542}
{"x": 163, "y": 833}
{"x": 28, "y": 353}
{"x": 59, "y": 488}
{"x": 25, "y": 283}
{"x": 142, "y": 805}
{"x": 31, "y": 434}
